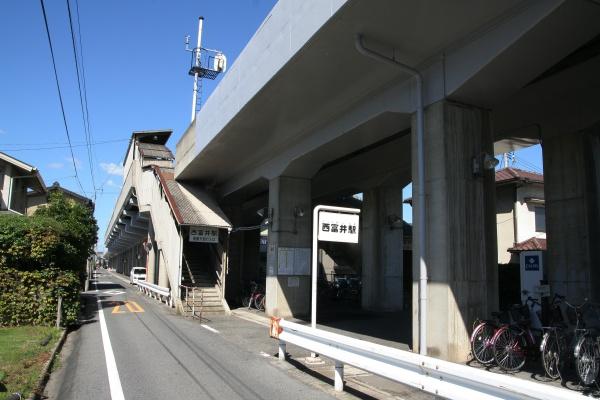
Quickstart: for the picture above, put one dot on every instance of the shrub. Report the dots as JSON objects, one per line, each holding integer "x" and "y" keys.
{"x": 29, "y": 243}
{"x": 31, "y": 297}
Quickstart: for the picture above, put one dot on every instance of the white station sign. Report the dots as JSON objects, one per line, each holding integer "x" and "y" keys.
{"x": 338, "y": 227}
{"x": 204, "y": 234}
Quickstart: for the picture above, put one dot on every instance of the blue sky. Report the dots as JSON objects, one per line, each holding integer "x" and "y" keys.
{"x": 136, "y": 79}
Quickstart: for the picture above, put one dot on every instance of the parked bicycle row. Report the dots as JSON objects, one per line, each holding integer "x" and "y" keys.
{"x": 568, "y": 343}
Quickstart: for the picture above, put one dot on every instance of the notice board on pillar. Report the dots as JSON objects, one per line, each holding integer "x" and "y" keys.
{"x": 293, "y": 261}
{"x": 204, "y": 234}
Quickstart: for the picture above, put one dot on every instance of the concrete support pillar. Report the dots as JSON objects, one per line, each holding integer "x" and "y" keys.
{"x": 460, "y": 228}
{"x": 288, "y": 254}
{"x": 163, "y": 277}
{"x": 235, "y": 254}
{"x": 152, "y": 254}
{"x": 572, "y": 195}
{"x": 382, "y": 249}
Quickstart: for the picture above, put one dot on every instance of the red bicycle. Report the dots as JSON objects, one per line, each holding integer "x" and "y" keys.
{"x": 256, "y": 298}
{"x": 513, "y": 343}
{"x": 482, "y": 347}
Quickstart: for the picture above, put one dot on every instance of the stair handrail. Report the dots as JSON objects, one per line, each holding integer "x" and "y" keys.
{"x": 217, "y": 262}
{"x": 189, "y": 270}
{"x": 193, "y": 306}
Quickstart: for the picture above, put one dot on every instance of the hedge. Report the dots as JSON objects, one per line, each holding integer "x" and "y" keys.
{"x": 31, "y": 297}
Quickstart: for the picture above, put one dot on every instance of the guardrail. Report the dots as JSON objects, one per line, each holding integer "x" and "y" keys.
{"x": 439, "y": 377}
{"x": 158, "y": 292}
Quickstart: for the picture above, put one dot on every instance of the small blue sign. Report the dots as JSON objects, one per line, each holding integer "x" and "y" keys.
{"x": 532, "y": 263}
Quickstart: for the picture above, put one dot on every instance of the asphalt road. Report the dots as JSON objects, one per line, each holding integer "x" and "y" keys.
{"x": 155, "y": 354}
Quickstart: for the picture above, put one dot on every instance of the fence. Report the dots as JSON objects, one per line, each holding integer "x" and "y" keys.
{"x": 439, "y": 377}
{"x": 158, "y": 292}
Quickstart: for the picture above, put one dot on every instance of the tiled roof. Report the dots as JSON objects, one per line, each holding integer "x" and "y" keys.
{"x": 155, "y": 151}
{"x": 514, "y": 174}
{"x": 532, "y": 244}
{"x": 191, "y": 205}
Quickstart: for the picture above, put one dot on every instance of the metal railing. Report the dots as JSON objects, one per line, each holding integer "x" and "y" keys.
{"x": 187, "y": 298}
{"x": 439, "y": 377}
{"x": 158, "y": 292}
{"x": 188, "y": 269}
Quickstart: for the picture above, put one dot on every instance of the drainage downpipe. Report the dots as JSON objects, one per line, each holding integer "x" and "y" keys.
{"x": 420, "y": 185}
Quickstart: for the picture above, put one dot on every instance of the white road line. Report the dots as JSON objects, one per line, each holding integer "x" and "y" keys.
{"x": 116, "y": 391}
{"x": 213, "y": 330}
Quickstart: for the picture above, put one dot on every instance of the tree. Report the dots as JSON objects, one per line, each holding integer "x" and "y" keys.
{"x": 80, "y": 229}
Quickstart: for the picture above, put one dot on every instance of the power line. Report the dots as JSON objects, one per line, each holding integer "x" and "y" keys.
{"x": 62, "y": 107}
{"x": 84, "y": 115}
{"x": 63, "y": 145}
{"x": 94, "y": 155}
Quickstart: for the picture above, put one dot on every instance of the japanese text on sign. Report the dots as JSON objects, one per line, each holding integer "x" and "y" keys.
{"x": 204, "y": 234}
{"x": 338, "y": 227}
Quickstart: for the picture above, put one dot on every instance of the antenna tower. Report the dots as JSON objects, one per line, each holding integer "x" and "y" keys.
{"x": 205, "y": 64}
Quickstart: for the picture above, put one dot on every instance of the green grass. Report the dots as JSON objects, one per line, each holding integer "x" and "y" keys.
{"x": 22, "y": 357}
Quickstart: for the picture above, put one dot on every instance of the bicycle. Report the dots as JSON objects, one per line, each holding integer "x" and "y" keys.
{"x": 256, "y": 298}
{"x": 481, "y": 338}
{"x": 554, "y": 341}
{"x": 587, "y": 353}
{"x": 513, "y": 343}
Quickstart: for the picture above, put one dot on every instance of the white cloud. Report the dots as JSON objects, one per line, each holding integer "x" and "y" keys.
{"x": 112, "y": 183}
{"x": 112, "y": 168}
{"x": 56, "y": 165}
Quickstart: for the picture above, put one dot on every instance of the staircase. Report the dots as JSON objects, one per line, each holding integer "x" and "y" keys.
{"x": 206, "y": 299}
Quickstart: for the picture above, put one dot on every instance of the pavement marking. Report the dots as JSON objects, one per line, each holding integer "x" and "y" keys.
{"x": 213, "y": 330}
{"x": 266, "y": 355}
{"x": 132, "y": 306}
{"x": 117, "y": 310}
{"x": 114, "y": 292}
{"x": 135, "y": 309}
{"x": 116, "y": 391}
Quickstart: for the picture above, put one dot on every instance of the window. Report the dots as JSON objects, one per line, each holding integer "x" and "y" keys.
{"x": 540, "y": 219}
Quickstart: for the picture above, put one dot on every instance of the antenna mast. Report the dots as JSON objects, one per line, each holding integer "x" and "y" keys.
{"x": 197, "y": 65}
{"x": 206, "y": 63}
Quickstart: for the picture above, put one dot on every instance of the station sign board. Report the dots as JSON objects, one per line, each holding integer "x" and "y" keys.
{"x": 338, "y": 227}
{"x": 204, "y": 234}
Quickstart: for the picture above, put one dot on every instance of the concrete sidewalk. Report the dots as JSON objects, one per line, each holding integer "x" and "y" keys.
{"x": 358, "y": 383}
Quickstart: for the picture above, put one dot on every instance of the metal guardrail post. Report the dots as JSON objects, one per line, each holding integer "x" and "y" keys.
{"x": 339, "y": 377}
{"x": 193, "y": 303}
{"x": 281, "y": 352}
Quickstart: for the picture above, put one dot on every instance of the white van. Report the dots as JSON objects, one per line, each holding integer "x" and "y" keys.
{"x": 137, "y": 274}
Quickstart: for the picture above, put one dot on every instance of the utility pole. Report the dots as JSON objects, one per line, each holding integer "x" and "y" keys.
{"x": 197, "y": 69}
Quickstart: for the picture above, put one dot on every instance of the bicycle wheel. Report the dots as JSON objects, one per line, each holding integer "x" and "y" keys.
{"x": 481, "y": 343}
{"x": 550, "y": 350}
{"x": 587, "y": 363}
{"x": 509, "y": 349}
{"x": 261, "y": 303}
{"x": 246, "y": 302}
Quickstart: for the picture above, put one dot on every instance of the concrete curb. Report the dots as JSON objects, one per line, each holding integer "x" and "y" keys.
{"x": 251, "y": 317}
{"x": 41, "y": 383}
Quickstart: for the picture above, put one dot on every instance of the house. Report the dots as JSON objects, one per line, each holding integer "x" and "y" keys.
{"x": 17, "y": 181}
{"x": 35, "y": 200}
{"x": 521, "y": 230}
